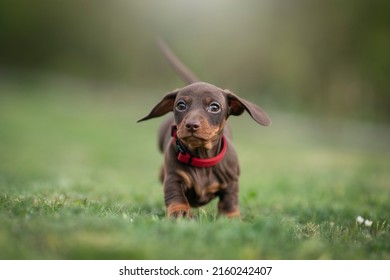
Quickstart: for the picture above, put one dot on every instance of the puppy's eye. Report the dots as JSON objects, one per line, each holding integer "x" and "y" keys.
{"x": 181, "y": 106}
{"x": 214, "y": 107}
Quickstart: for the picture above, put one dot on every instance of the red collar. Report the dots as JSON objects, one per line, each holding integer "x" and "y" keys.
{"x": 185, "y": 157}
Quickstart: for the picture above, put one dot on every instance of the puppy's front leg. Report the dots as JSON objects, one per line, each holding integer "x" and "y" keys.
{"x": 175, "y": 199}
{"x": 228, "y": 201}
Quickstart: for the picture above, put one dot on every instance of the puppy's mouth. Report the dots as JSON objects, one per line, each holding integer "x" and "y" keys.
{"x": 193, "y": 137}
{"x": 193, "y": 140}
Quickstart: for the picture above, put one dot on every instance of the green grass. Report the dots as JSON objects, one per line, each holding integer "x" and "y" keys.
{"x": 79, "y": 180}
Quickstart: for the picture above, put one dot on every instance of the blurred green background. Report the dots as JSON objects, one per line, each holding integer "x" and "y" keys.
{"x": 79, "y": 176}
{"x": 322, "y": 57}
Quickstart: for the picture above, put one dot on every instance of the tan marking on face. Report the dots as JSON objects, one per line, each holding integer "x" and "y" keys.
{"x": 205, "y": 137}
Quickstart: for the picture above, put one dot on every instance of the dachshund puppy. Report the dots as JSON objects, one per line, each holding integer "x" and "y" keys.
{"x": 200, "y": 162}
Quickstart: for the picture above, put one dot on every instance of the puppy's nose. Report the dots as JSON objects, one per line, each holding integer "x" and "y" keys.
{"x": 192, "y": 125}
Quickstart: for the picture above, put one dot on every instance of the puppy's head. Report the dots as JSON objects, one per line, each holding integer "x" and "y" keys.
{"x": 201, "y": 110}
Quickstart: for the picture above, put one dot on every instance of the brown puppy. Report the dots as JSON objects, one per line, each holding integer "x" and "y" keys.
{"x": 200, "y": 162}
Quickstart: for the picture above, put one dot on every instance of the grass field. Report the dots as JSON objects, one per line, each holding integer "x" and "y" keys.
{"x": 78, "y": 180}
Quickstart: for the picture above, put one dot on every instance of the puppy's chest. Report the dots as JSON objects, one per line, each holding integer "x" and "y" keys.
{"x": 206, "y": 182}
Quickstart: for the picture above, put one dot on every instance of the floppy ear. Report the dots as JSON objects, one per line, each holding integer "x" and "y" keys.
{"x": 163, "y": 107}
{"x": 237, "y": 106}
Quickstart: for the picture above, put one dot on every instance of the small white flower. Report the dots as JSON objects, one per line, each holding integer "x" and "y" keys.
{"x": 359, "y": 219}
{"x": 367, "y": 223}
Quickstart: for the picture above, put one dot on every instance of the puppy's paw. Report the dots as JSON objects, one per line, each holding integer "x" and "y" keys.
{"x": 178, "y": 210}
{"x": 234, "y": 214}
{"x": 181, "y": 214}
